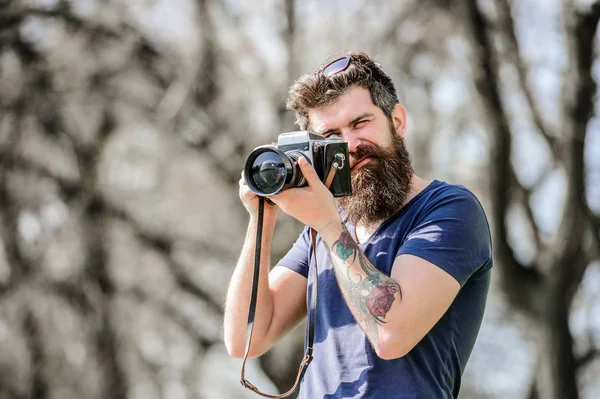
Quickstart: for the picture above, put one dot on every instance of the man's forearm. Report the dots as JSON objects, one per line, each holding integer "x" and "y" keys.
{"x": 369, "y": 293}
{"x": 240, "y": 290}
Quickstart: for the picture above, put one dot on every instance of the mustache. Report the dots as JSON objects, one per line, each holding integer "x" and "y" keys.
{"x": 366, "y": 150}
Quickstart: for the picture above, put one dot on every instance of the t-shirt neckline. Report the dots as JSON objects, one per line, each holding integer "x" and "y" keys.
{"x": 434, "y": 183}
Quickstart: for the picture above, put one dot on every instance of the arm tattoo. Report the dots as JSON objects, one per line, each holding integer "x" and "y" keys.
{"x": 369, "y": 294}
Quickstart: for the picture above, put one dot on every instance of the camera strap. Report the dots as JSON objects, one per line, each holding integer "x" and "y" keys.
{"x": 312, "y": 315}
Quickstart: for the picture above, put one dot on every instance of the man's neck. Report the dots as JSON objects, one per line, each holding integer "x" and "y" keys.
{"x": 363, "y": 232}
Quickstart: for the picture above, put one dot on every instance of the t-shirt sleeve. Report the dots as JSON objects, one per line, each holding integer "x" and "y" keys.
{"x": 453, "y": 233}
{"x": 297, "y": 257}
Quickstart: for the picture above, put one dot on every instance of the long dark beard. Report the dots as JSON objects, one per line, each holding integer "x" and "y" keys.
{"x": 379, "y": 188}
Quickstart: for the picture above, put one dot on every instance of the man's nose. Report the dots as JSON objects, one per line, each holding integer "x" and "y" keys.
{"x": 352, "y": 139}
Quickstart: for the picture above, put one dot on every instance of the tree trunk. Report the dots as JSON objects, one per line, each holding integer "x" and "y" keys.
{"x": 556, "y": 376}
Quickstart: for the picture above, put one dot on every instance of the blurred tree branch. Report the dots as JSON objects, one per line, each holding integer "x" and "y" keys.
{"x": 519, "y": 281}
{"x": 514, "y": 51}
{"x": 31, "y": 330}
{"x": 546, "y": 288}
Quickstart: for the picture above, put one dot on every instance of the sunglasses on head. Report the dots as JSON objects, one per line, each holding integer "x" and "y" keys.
{"x": 336, "y": 66}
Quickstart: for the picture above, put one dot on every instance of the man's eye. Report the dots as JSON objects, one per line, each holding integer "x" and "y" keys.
{"x": 329, "y": 135}
{"x": 361, "y": 123}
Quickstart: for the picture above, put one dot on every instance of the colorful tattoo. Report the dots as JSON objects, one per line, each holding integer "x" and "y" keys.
{"x": 370, "y": 296}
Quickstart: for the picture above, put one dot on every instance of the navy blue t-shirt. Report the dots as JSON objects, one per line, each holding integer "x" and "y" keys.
{"x": 445, "y": 225}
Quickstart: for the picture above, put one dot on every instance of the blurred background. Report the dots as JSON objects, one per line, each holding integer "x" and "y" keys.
{"x": 124, "y": 125}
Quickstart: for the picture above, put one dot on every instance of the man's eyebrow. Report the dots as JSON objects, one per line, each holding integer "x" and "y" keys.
{"x": 359, "y": 117}
{"x": 329, "y": 131}
{"x": 352, "y": 122}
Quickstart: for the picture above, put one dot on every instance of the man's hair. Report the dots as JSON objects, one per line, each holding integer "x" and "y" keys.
{"x": 316, "y": 90}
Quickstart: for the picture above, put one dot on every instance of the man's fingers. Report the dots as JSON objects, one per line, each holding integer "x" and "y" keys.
{"x": 243, "y": 179}
{"x": 309, "y": 172}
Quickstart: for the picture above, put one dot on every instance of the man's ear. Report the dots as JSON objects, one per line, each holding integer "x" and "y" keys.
{"x": 399, "y": 120}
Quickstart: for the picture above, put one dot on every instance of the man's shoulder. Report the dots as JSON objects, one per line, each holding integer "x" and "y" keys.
{"x": 439, "y": 189}
{"x": 453, "y": 206}
{"x": 449, "y": 228}
{"x": 448, "y": 197}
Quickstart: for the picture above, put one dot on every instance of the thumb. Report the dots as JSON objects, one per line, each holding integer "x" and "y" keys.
{"x": 309, "y": 172}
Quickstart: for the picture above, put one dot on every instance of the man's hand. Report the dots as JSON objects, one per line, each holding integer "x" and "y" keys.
{"x": 250, "y": 201}
{"x": 313, "y": 205}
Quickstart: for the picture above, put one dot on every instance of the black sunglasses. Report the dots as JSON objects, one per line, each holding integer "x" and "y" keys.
{"x": 337, "y": 66}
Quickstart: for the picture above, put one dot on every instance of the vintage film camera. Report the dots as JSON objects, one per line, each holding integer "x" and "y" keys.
{"x": 272, "y": 169}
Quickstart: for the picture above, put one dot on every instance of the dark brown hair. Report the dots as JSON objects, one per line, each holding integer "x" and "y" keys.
{"x": 316, "y": 90}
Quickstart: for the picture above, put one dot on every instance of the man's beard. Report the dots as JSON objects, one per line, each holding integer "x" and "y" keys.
{"x": 381, "y": 186}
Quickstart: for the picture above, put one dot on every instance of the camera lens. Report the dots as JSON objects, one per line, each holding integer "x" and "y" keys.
{"x": 268, "y": 171}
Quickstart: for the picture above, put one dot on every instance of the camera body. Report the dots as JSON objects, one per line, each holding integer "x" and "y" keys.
{"x": 272, "y": 169}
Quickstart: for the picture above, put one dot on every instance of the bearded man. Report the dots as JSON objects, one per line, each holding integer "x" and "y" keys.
{"x": 404, "y": 264}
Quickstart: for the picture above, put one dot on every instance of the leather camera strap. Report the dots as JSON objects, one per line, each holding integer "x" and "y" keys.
{"x": 314, "y": 279}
